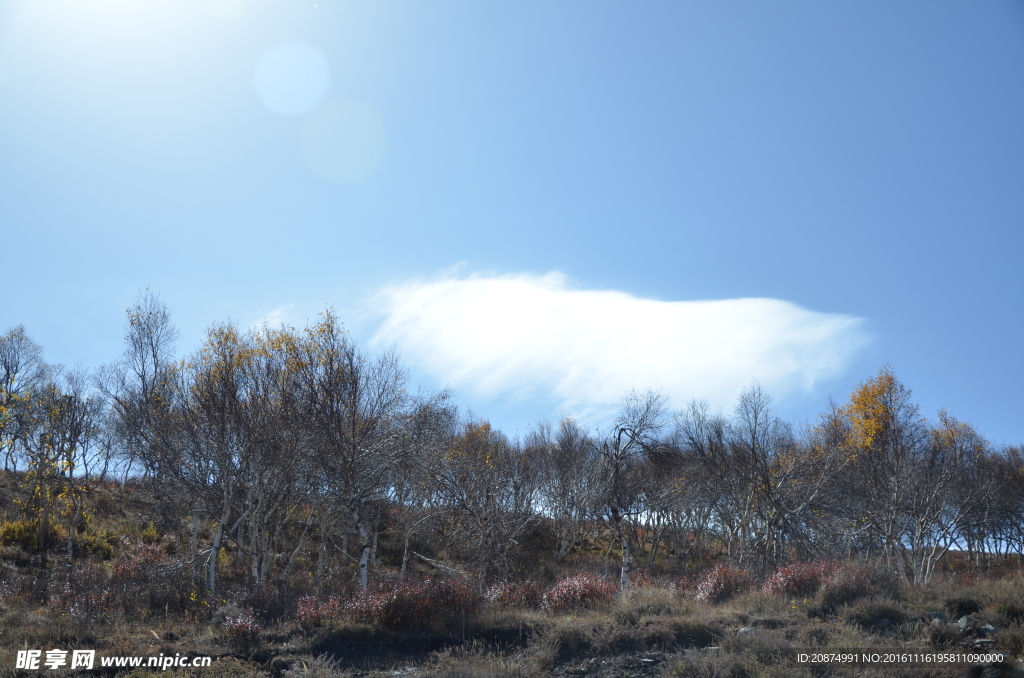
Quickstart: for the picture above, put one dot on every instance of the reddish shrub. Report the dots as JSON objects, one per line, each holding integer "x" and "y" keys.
{"x": 243, "y": 628}
{"x": 582, "y": 590}
{"x": 432, "y": 603}
{"x": 966, "y": 579}
{"x": 367, "y": 607}
{"x": 312, "y": 611}
{"x": 84, "y": 595}
{"x": 515, "y": 594}
{"x": 146, "y": 582}
{"x": 722, "y": 583}
{"x": 688, "y": 582}
{"x": 799, "y": 579}
{"x": 844, "y": 585}
{"x": 640, "y": 579}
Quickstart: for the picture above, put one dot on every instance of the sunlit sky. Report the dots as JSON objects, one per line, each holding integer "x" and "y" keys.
{"x": 539, "y": 204}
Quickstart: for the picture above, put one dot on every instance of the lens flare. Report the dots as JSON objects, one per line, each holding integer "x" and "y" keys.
{"x": 291, "y": 78}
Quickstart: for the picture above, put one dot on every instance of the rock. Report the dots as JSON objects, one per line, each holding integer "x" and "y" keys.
{"x": 939, "y": 617}
{"x": 965, "y": 622}
{"x": 988, "y": 630}
{"x": 937, "y": 622}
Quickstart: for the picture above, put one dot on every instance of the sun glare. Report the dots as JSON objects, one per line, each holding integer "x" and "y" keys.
{"x": 104, "y": 33}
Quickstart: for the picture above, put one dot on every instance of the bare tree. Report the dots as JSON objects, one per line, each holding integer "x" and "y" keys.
{"x": 570, "y": 482}
{"x": 634, "y": 438}
{"x": 903, "y": 473}
{"x": 143, "y": 389}
{"x": 22, "y": 372}
{"x": 357, "y": 407}
{"x": 62, "y": 442}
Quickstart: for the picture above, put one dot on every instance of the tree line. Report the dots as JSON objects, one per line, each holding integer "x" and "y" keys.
{"x": 292, "y": 446}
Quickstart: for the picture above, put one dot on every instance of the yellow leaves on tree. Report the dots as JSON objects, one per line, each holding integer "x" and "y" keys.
{"x": 877, "y": 411}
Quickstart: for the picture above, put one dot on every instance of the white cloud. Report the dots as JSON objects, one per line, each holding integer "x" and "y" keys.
{"x": 527, "y": 336}
{"x": 282, "y": 315}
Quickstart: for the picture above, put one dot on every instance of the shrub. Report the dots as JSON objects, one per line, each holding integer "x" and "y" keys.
{"x": 943, "y": 636}
{"x": 312, "y": 611}
{"x": 799, "y": 579}
{"x": 267, "y": 601}
{"x": 722, "y": 583}
{"x": 242, "y": 628}
{"x": 307, "y": 611}
{"x": 84, "y": 595}
{"x": 965, "y": 579}
{"x": 145, "y": 581}
{"x": 150, "y": 535}
{"x": 581, "y": 590}
{"x": 1012, "y": 611}
{"x": 518, "y": 594}
{"x": 687, "y": 582}
{"x": 659, "y": 635}
{"x": 1012, "y": 639}
{"x": 569, "y": 639}
{"x": 472, "y": 660}
{"x": 367, "y": 607}
{"x": 961, "y": 606}
{"x": 696, "y": 634}
{"x": 432, "y": 603}
{"x": 25, "y": 533}
{"x": 640, "y": 579}
{"x": 637, "y": 603}
{"x": 322, "y": 666}
{"x": 428, "y": 602}
{"x": 94, "y": 544}
{"x": 763, "y": 648}
{"x": 842, "y": 587}
{"x": 866, "y": 614}
{"x": 712, "y": 666}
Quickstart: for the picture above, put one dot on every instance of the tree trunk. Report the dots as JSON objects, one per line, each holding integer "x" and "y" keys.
{"x": 321, "y": 555}
{"x": 405, "y": 557}
{"x": 211, "y": 580}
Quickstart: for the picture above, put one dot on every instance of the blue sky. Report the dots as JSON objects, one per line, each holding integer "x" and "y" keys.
{"x": 541, "y": 204}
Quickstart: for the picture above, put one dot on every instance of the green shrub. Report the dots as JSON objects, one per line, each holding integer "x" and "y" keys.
{"x": 25, "y": 534}
{"x": 94, "y": 544}
{"x": 150, "y": 535}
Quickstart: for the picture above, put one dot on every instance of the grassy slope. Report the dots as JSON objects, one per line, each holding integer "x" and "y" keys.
{"x": 130, "y": 599}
